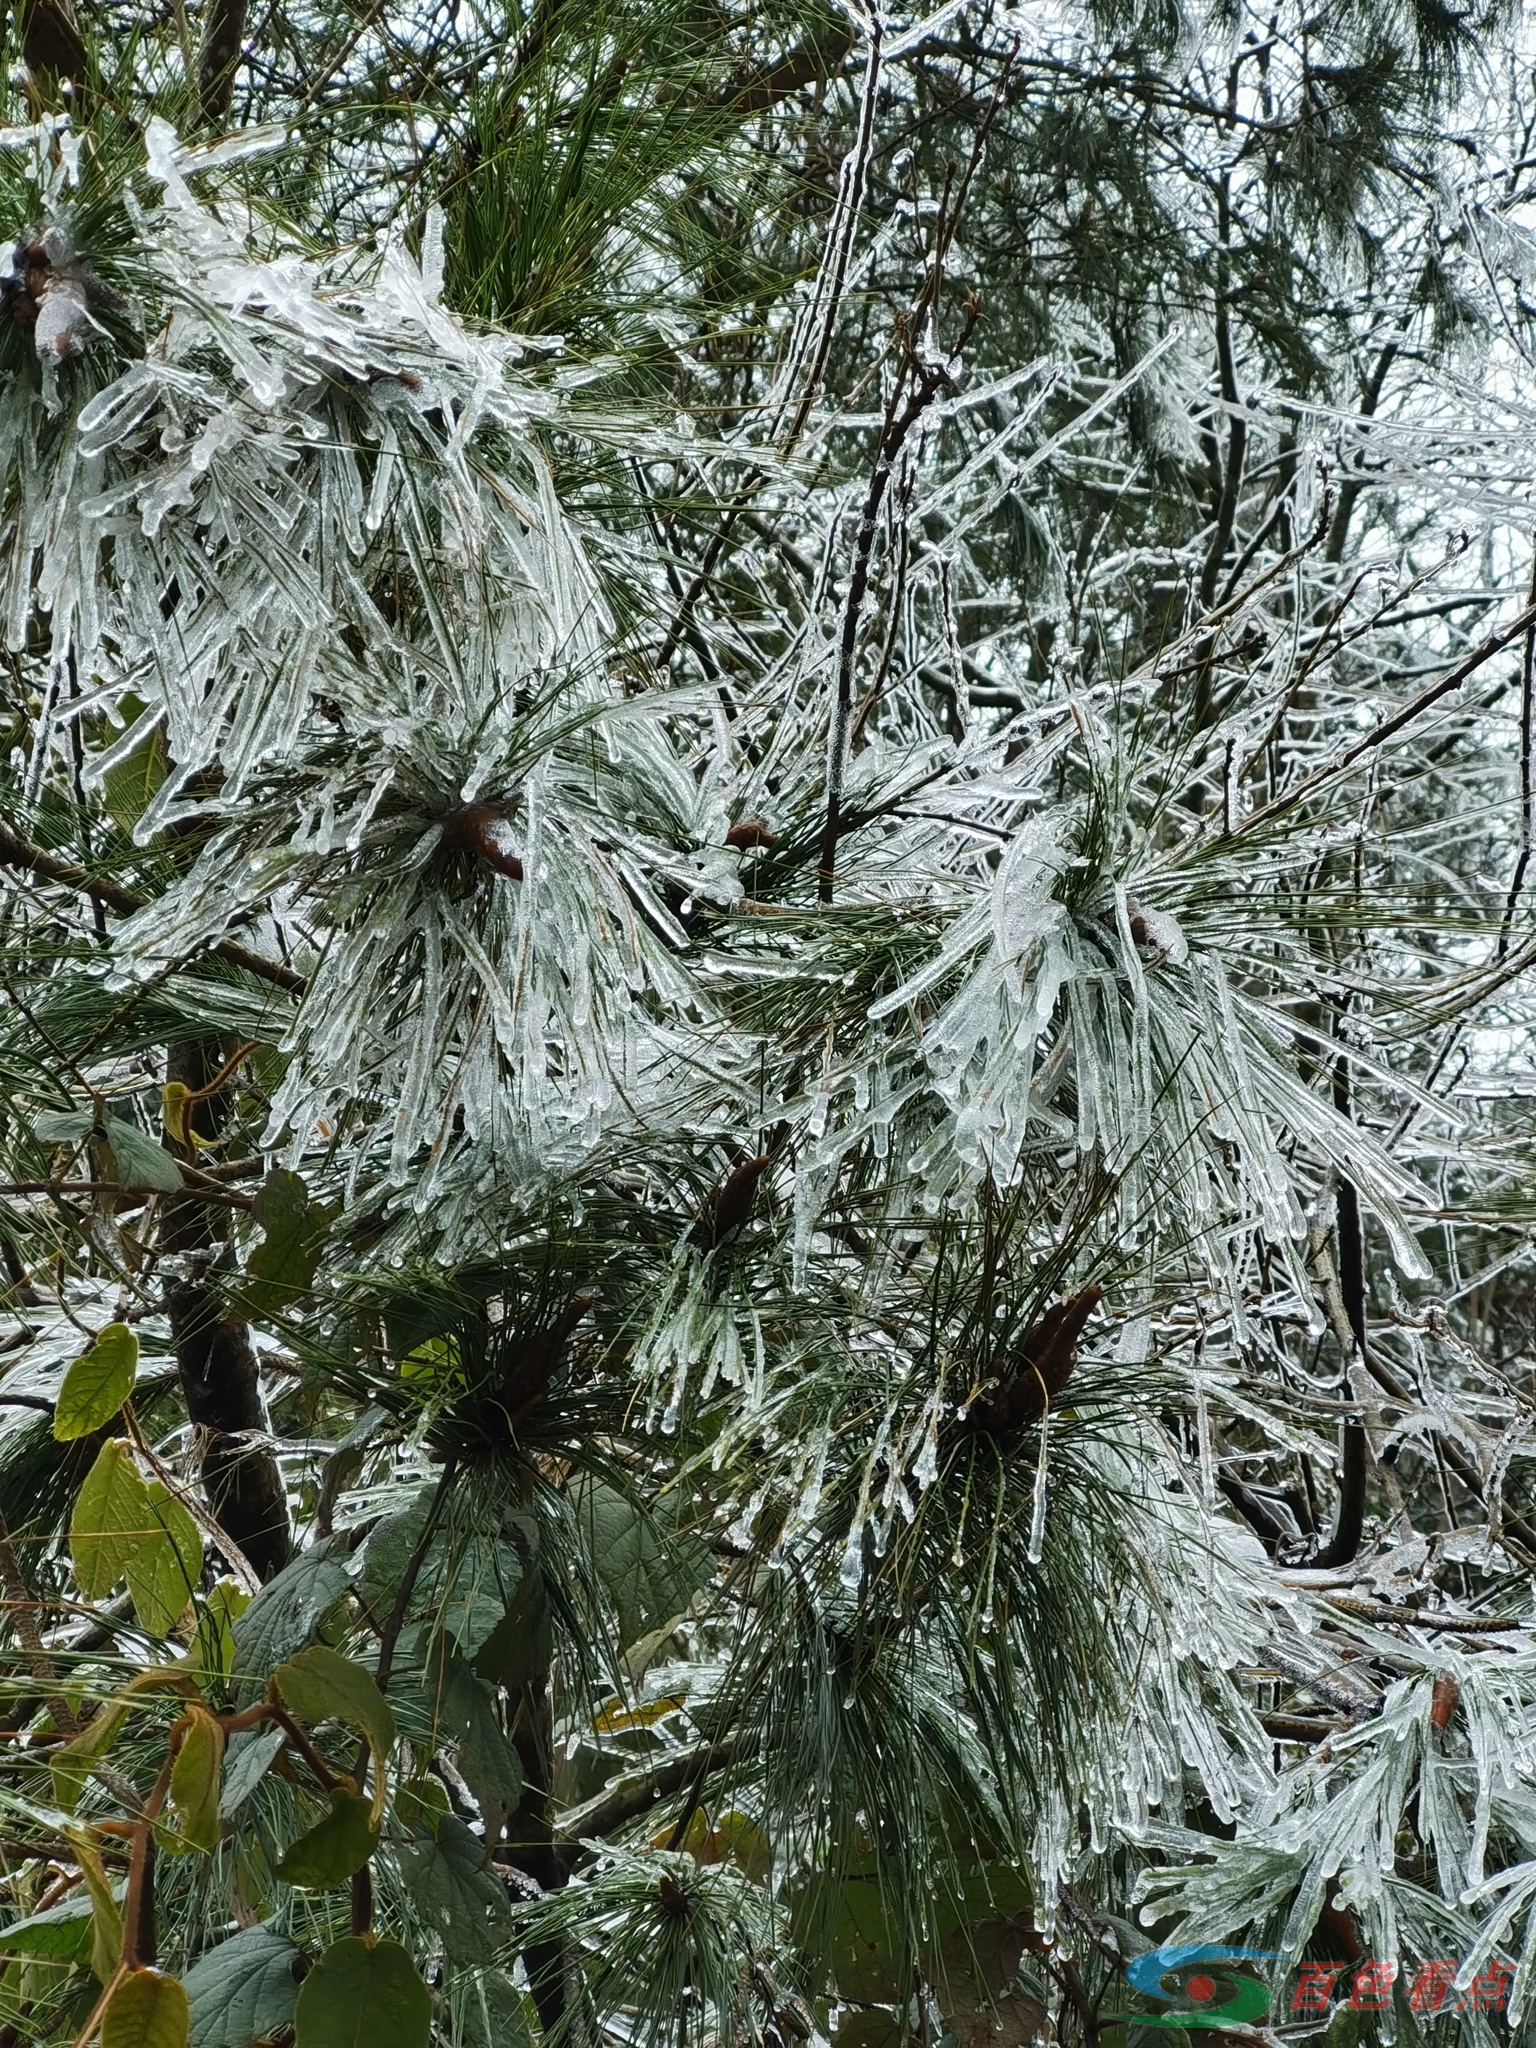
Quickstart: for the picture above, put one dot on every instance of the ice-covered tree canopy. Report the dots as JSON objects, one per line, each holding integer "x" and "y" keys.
{"x": 764, "y": 941}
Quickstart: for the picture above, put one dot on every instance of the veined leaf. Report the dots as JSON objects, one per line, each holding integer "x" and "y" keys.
{"x": 454, "y": 1892}
{"x": 60, "y": 1933}
{"x": 127, "y": 787}
{"x": 106, "y": 1916}
{"x": 147, "y": 2010}
{"x": 72, "y": 1762}
{"x": 249, "y": 1758}
{"x": 282, "y": 1266}
{"x": 142, "y": 1162}
{"x": 650, "y": 1567}
{"x": 333, "y": 1849}
{"x": 487, "y": 1761}
{"x": 63, "y": 1126}
{"x": 318, "y": 1685}
{"x": 420, "y": 1805}
{"x": 488, "y": 2011}
{"x": 97, "y": 1384}
{"x": 244, "y": 1990}
{"x": 195, "y": 1781}
{"x": 286, "y": 1612}
{"x": 364, "y": 1994}
{"x": 111, "y": 1519}
{"x": 164, "y": 1569}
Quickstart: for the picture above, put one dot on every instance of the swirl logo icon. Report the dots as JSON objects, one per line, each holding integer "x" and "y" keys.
{"x": 1216, "y": 1996}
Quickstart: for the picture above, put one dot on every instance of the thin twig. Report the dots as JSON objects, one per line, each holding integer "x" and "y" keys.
{"x": 19, "y": 852}
{"x": 219, "y": 1198}
{"x": 1413, "y": 1617}
{"x": 1346, "y": 758}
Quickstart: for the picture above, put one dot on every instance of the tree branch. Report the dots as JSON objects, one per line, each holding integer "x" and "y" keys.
{"x": 19, "y": 852}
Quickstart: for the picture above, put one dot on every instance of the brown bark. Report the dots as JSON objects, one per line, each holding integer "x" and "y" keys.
{"x": 216, "y": 1360}
{"x": 51, "y": 45}
{"x": 222, "y": 39}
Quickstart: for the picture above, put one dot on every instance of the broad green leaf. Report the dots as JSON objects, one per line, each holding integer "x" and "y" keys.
{"x": 487, "y": 1761}
{"x": 215, "y": 1645}
{"x": 387, "y": 1554}
{"x": 36, "y": 1980}
{"x": 975, "y": 1977}
{"x": 1348, "y": 2026}
{"x": 63, "y": 1126}
{"x": 488, "y": 2011}
{"x": 97, "y": 1384}
{"x": 364, "y": 1994}
{"x": 62, "y": 1932}
{"x": 249, "y": 1758}
{"x": 127, "y": 787}
{"x": 331, "y": 1851}
{"x": 443, "y": 1704}
{"x": 852, "y": 1932}
{"x": 318, "y": 1685}
{"x": 517, "y": 1650}
{"x": 455, "y": 1894}
{"x": 872, "y": 2027}
{"x": 988, "y": 1891}
{"x": 287, "y": 1611}
{"x": 195, "y": 1780}
{"x": 164, "y": 1569}
{"x": 147, "y": 2010}
{"x": 465, "y": 1587}
{"x": 244, "y": 1991}
{"x": 745, "y": 1844}
{"x": 649, "y": 1566}
{"x": 420, "y": 1805}
{"x": 282, "y": 1267}
{"x": 106, "y": 1916}
{"x": 142, "y": 1161}
{"x": 72, "y": 1763}
{"x": 111, "y": 1519}
{"x": 856, "y": 1941}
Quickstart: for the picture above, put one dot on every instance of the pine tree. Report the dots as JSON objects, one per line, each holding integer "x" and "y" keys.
{"x": 765, "y": 863}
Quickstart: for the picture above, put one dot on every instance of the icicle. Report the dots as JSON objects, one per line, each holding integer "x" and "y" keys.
{"x": 1036, "y": 1549}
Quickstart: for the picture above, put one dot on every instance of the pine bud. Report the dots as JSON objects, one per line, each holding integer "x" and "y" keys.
{"x": 751, "y": 833}
{"x": 730, "y": 1205}
{"x": 525, "y": 1383}
{"x": 484, "y": 830}
{"x": 1024, "y": 1387}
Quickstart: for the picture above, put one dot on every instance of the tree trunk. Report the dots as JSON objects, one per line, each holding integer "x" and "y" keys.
{"x": 51, "y": 45}
{"x": 222, "y": 40}
{"x": 216, "y": 1359}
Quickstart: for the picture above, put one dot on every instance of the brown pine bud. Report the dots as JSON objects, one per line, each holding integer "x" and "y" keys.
{"x": 484, "y": 830}
{"x": 526, "y": 1383}
{"x": 1443, "y": 1701}
{"x": 1024, "y": 1387}
{"x": 753, "y": 833}
{"x": 730, "y": 1205}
